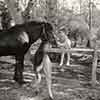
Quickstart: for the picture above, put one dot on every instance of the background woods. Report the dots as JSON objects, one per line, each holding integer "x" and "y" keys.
{"x": 57, "y": 11}
{"x": 76, "y": 17}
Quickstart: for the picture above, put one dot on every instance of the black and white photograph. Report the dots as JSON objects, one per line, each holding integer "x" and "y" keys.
{"x": 49, "y": 49}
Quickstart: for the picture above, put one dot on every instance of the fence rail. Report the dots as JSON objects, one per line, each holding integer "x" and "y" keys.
{"x": 58, "y": 50}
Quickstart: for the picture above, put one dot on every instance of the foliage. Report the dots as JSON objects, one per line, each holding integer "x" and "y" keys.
{"x": 58, "y": 15}
{"x": 5, "y": 16}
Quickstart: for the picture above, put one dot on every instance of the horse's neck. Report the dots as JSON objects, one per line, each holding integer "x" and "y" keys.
{"x": 34, "y": 32}
{"x": 42, "y": 45}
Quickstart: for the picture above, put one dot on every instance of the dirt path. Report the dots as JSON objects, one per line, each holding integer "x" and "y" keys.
{"x": 72, "y": 84}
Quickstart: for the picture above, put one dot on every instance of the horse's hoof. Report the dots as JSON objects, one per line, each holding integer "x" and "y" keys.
{"x": 19, "y": 81}
{"x": 37, "y": 92}
{"x": 49, "y": 98}
{"x": 22, "y": 82}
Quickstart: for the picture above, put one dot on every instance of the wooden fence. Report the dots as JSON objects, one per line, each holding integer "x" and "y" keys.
{"x": 95, "y": 58}
{"x": 85, "y": 50}
{"x": 58, "y": 50}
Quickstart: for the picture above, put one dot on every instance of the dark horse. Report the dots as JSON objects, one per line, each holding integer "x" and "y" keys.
{"x": 17, "y": 40}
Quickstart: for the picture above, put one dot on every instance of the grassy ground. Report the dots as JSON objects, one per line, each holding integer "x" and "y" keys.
{"x": 72, "y": 84}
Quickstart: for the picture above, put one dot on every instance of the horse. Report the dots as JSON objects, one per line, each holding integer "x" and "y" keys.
{"x": 16, "y": 41}
{"x": 41, "y": 60}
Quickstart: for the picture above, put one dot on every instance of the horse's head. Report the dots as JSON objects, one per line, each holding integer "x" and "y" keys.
{"x": 48, "y": 34}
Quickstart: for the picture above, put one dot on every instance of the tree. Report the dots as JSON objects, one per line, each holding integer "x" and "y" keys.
{"x": 5, "y": 16}
{"x": 5, "y": 20}
{"x": 14, "y": 11}
{"x": 19, "y": 10}
{"x": 26, "y": 13}
{"x": 51, "y": 6}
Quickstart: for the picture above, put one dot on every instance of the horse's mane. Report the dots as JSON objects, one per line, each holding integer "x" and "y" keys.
{"x": 33, "y": 23}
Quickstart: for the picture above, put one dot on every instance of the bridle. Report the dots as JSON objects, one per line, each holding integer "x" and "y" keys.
{"x": 44, "y": 33}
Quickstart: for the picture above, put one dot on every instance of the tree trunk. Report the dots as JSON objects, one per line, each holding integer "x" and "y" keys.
{"x": 15, "y": 13}
{"x": 26, "y": 13}
{"x": 51, "y": 9}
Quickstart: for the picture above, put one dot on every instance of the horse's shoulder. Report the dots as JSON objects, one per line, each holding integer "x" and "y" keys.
{"x": 3, "y": 33}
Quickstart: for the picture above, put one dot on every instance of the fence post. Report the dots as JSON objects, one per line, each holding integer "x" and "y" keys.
{"x": 94, "y": 65}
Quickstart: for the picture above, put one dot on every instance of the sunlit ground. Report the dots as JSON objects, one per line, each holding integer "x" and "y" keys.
{"x": 72, "y": 84}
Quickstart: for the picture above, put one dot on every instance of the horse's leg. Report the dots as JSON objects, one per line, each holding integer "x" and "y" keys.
{"x": 37, "y": 77}
{"x": 19, "y": 68}
{"x": 47, "y": 67}
{"x": 62, "y": 58}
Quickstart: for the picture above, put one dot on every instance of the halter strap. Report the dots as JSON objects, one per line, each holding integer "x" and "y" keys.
{"x": 44, "y": 32}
